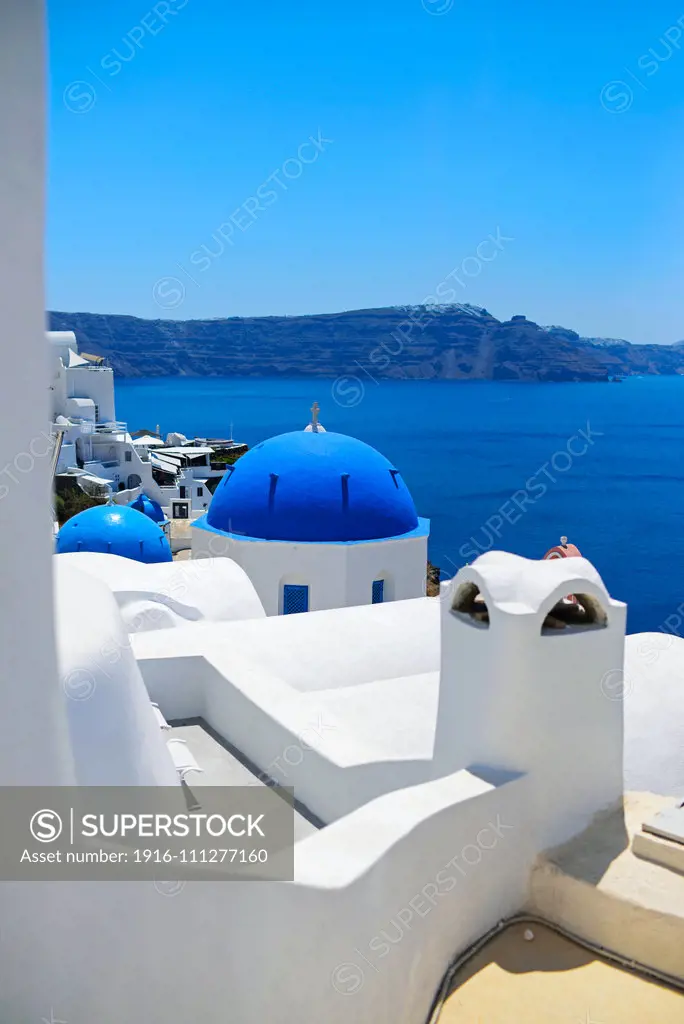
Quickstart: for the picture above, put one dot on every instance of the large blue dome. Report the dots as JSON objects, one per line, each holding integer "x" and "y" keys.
{"x": 316, "y": 487}
{"x": 115, "y": 530}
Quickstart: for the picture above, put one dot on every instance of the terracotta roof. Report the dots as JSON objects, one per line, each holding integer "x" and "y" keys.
{"x": 563, "y": 551}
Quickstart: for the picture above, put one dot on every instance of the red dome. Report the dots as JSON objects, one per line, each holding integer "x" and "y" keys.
{"x": 563, "y": 550}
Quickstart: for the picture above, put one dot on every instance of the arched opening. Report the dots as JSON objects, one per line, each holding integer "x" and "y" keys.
{"x": 574, "y": 614}
{"x": 133, "y": 480}
{"x": 470, "y": 605}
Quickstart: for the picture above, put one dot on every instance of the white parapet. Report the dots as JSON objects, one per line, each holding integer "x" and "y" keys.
{"x": 114, "y": 732}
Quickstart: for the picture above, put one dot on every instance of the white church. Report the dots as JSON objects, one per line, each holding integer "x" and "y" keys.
{"x": 488, "y": 783}
{"x": 317, "y": 520}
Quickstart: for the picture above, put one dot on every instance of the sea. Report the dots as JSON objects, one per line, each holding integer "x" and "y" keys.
{"x": 493, "y": 465}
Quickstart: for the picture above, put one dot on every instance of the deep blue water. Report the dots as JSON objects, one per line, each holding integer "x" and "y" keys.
{"x": 465, "y": 448}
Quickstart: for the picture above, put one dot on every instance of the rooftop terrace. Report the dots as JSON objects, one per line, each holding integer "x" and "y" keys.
{"x": 545, "y": 977}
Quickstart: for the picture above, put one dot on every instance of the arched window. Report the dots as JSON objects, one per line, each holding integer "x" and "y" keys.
{"x": 470, "y": 605}
{"x": 575, "y": 613}
{"x": 295, "y": 598}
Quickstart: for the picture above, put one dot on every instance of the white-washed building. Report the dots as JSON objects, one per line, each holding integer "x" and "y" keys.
{"x": 317, "y": 520}
{"x": 98, "y": 450}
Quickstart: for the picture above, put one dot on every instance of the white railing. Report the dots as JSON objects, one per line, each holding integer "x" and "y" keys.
{"x": 111, "y": 427}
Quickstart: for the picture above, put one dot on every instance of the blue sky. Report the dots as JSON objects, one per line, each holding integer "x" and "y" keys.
{"x": 184, "y": 183}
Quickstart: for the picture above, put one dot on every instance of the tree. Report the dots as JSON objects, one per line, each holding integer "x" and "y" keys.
{"x": 71, "y": 502}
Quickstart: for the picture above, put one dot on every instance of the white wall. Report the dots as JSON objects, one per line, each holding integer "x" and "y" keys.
{"x": 377, "y": 885}
{"x": 114, "y": 737}
{"x": 108, "y": 447}
{"x": 338, "y": 575}
{"x": 33, "y": 742}
{"x": 60, "y": 342}
{"x": 515, "y": 699}
{"x": 402, "y": 563}
{"x": 96, "y": 383}
{"x": 653, "y": 689}
{"x": 270, "y": 565}
{"x": 67, "y": 456}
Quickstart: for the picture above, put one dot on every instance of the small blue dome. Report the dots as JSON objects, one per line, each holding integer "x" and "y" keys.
{"x": 115, "y": 530}
{"x": 149, "y": 507}
{"x": 317, "y": 487}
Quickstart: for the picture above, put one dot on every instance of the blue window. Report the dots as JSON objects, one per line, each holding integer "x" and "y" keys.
{"x": 295, "y": 599}
{"x": 378, "y": 591}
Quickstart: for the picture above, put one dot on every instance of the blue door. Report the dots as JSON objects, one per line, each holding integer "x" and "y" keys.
{"x": 295, "y": 599}
{"x": 378, "y": 591}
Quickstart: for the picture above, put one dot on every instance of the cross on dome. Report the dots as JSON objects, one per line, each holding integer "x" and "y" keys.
{"x": 315, "y": 427}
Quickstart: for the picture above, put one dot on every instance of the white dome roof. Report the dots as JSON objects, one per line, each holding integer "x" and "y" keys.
{"x": 169, "y": 594}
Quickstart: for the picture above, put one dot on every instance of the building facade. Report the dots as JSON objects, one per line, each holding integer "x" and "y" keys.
{"x": 99, "y": 452}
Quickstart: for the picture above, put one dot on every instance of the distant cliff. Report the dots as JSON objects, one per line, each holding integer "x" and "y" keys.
{"x": 448, "y": 343}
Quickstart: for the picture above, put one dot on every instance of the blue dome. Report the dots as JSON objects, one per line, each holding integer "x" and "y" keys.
{"x": 149, "y": 507}
{"x": 307, "y": 486}
{"x": 115, "y": 530}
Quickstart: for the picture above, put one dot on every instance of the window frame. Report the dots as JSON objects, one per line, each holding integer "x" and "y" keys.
{"x": 297, "y": 593}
